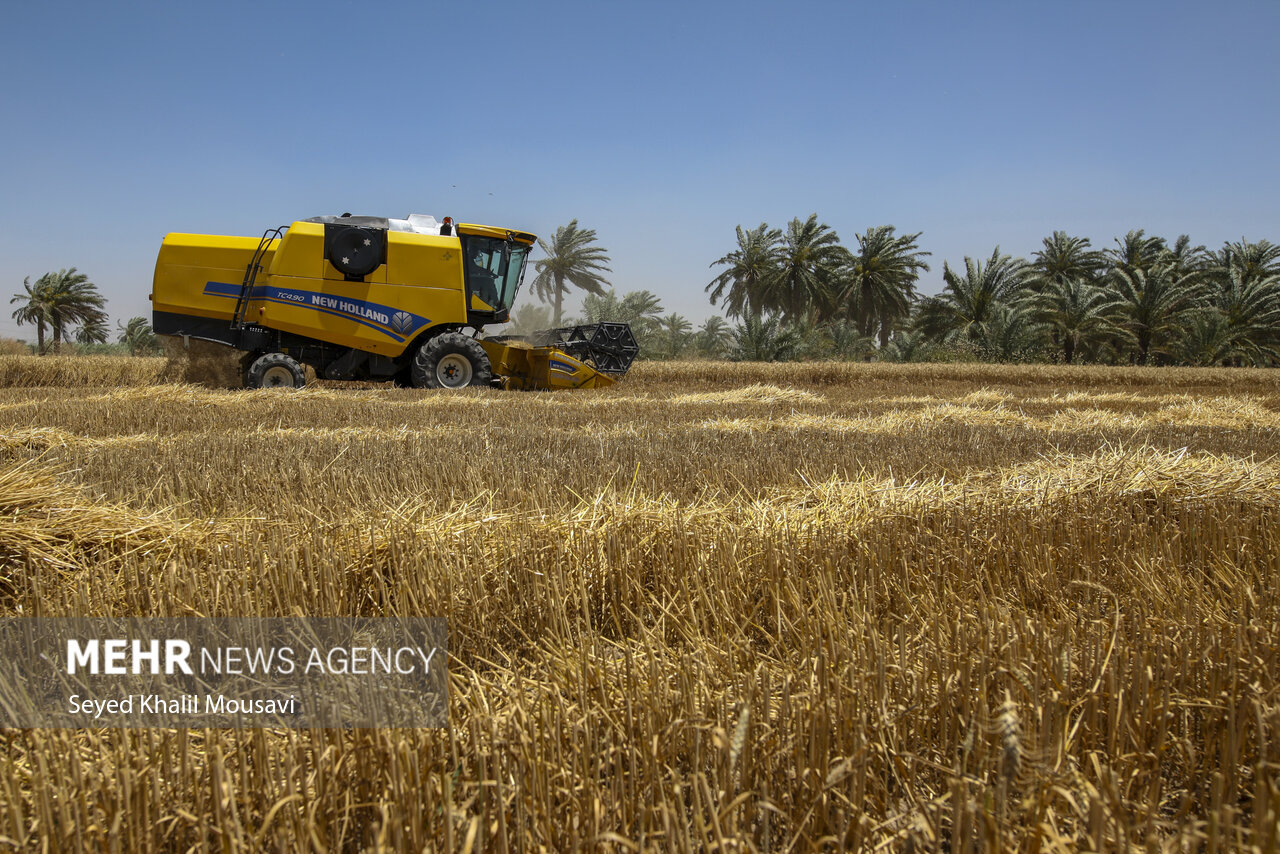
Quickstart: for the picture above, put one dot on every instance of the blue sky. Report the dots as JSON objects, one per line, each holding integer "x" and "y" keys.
{"x": 660, "y": 125}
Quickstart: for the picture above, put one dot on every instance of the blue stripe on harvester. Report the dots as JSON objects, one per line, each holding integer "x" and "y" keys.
{"x": 406, "y": 322}
{"x": 565, "y": 367}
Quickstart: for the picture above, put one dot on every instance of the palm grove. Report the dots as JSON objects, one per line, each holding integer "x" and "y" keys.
{"x": 66, "y": 305}
{"x": 801, "y": 293}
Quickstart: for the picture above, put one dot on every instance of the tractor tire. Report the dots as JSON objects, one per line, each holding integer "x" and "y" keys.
{"x": 275, "y": 370}
{"x": 450, "y": 360}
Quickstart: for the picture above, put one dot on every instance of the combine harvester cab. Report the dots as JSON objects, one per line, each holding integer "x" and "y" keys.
{"x": 377, "y": 299}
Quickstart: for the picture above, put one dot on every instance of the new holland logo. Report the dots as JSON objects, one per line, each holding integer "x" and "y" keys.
{"x": 401, "y": 321}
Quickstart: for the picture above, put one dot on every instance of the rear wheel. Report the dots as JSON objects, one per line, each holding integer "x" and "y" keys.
{"x": 275, "y": 370}
{"x": 451, "y": 360}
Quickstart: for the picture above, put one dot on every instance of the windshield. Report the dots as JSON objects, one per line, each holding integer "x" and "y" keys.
{"x": 494, "y": 268}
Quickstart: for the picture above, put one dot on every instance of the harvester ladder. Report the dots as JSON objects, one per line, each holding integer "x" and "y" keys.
{"x": 251, "y": 275}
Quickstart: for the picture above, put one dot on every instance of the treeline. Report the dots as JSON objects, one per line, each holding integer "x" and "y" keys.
{"x": 664, "y": 336}
{"x": 65, "y": 307}
{"x": 802, "y": 293}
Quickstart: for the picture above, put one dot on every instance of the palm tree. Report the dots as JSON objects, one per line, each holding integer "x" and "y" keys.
{"x": 674, "y": 329}
{"x": 640, "y": 309}
{"x": 812, "y": 273}
{"x": 71, "y": 299}
{"x": 93, "y": 330}
{"x": 634, "y": 307}
{"x": 1152, "y": 303}
{"x": 1009, "y": 333}
{"x": 846, "y": 340}
{"x": 1240, "y": 320}
{"x": 1207, "y": 339}
{"x": 764, "y": 339}
{"x": 885, "y": 270}
{"x": 1065, "y": 259}
{"x": 530, "y": 318}
{"x": 1134, "y": 258}
{"x": 1253, "y": 259}
{"x": 713, "y": 338}
{"x": 1249, "y": 301}
{"x": 1190, "y": 259}
{"x": 754, "y": 262}
{"x": 34, "y": 307}
{"x": 1260, "y": 257}
{"x": 137, "y": 336}
{"x": 1136, "y": 252}
{"x": 968, "y": 301}
{"x": 910, "y": 346}
{"x": 1077, "y": 313}
{"x": 572, "y": 259}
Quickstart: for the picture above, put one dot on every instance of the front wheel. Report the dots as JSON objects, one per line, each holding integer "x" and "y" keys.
{"x": 450, "y": 360}
{"x": 275, "y": 370}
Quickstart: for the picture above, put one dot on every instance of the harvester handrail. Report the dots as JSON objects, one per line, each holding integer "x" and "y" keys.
{"x": 251, "y": 274}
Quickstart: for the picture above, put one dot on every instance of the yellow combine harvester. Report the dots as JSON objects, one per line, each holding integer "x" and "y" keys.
{"x": 371, "y": 298}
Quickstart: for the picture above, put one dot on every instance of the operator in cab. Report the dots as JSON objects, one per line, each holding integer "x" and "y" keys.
{"x": 483, "y": 282}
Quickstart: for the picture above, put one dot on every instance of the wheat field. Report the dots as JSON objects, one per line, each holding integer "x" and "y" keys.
{"x": 717, "y": 606}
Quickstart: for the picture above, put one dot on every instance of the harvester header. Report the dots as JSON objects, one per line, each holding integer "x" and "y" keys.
{"x": 372, "y": 298}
